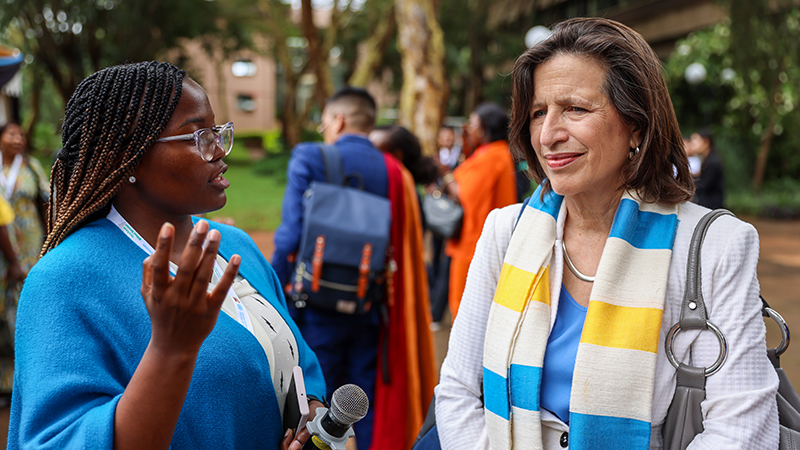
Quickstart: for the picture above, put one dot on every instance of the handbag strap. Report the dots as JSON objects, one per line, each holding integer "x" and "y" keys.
{"x": 693, "y": 308}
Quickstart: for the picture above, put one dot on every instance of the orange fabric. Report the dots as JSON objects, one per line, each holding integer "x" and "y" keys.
{"x": 401, "y": 403}
{"x": 419, "y": 340}
{"x": 486, "y": 181}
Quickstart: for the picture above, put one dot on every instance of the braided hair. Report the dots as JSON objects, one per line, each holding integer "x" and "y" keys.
{"x": 112, "y": 119}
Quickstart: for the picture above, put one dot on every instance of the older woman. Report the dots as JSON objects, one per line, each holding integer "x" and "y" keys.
{"x": 120, "y": 340}
{"x": 559, "y": 341}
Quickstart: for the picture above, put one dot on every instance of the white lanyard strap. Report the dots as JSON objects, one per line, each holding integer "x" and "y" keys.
{"x": 241, "y": 312}
{"x": 8, "y": 183}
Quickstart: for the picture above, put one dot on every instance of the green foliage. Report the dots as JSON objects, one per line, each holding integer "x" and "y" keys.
{"x": 254, "y": 201}
{"x": 273, "y": 166}
{"x": 268, "y": 140}
{"x": 734, "y": 100}
{"x": 778, "y": 199}
{"x": 76, "y": 38}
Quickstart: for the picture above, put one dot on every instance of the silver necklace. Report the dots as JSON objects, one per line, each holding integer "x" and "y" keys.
{"x": 572, "y": 267}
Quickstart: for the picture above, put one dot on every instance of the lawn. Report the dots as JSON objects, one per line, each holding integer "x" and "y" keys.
{"x": 255, "y": 196}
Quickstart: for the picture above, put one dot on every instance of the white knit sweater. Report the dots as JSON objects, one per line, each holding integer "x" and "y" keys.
{"x": 740, "y": 410}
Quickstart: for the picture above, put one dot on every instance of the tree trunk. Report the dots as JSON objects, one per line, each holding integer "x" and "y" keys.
{"x": 763, "y": 151}
{"x": 423, "y": 98}
{"x": 375, "y": 47}
{"x": 317, "y": 55}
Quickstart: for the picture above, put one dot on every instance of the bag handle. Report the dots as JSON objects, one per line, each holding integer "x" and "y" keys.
{"x": 693, "y": 309}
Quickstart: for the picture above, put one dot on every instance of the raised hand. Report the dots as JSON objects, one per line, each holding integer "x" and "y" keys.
{"x": 181, "y": 310}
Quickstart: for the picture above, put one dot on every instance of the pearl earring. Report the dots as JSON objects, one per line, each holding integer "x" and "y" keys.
{"x": 131, "y": 179}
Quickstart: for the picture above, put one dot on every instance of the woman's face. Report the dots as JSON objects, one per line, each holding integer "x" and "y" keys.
{"x": 578, "y": 135}
{"x": 473, "y": 132}
{"x": 173, "y": 177}
{"x": 12, "y": 142}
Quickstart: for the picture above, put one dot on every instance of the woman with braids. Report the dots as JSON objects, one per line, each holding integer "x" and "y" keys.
{"x": 121, "y": 343}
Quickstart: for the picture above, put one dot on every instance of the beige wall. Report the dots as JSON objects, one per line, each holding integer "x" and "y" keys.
{"x": 223, "y": 96}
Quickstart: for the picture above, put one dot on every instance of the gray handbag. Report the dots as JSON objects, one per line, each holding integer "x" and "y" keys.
{"x": 685, "y": 417}
{"x": 442, "y": 215}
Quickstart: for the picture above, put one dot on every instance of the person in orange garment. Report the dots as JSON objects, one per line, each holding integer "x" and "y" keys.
{"x": 485, "y": 181}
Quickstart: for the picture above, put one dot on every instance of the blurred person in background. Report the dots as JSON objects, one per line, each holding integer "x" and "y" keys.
{"x": 710, "y": 181}
{"x": 449, "y": 151}
{"x": 25, "y": 186}
{"x": 486, "y": 180}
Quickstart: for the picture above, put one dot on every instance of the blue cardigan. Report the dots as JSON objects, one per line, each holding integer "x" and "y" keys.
{"x": 82, "y": 328}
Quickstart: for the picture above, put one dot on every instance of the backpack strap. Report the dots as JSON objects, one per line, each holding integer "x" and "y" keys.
{"x": 334, "y": 169}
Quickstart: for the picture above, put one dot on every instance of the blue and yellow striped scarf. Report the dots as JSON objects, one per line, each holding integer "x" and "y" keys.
{"x": 612, "y": 387}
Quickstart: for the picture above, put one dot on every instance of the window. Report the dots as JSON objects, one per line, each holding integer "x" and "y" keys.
{"x": 244, "y": 68}
{"x": 246, "y": 102}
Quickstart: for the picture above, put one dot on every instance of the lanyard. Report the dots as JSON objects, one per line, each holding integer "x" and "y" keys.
{"x": 241, "y": 312}
{"x": 8, "y": 183}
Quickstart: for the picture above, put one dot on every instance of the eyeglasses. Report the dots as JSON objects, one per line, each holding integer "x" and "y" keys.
{"x": 208, "y": 139}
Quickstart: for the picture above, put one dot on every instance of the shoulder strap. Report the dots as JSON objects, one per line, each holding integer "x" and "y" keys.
{"x": 334, "y": 169}
{"x": 693, "y": 309}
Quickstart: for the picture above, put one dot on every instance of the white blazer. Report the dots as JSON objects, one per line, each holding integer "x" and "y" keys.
{"x": 740, "y": 410}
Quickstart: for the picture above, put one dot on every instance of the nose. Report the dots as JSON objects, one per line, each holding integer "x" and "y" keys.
{"x": 552, "y": 130}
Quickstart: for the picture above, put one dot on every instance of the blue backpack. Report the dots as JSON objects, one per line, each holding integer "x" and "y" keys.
{"x": 341, "y": 263}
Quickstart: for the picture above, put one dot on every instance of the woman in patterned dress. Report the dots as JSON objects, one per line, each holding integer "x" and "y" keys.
{"x": 22, "y": 179}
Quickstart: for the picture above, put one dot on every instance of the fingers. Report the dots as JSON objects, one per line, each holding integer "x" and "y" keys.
{"x": 300, "y": 439}
{"x": 155, "y": 274}
{"x": 205, "y": 268}
{"x": 287, "y": 439}
{"x": 190, "y": 257}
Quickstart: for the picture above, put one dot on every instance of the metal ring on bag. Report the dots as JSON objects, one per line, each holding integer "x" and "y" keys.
{"x": 723, "y": 348}
{"x": 785, "y": 338}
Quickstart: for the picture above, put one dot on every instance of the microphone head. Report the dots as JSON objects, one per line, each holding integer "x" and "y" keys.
{"x": 349, "y": 404}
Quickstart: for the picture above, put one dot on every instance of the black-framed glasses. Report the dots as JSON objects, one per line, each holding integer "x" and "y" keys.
{"x": 207, "y": 140}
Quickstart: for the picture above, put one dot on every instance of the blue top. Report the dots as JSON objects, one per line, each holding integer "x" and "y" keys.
{"x": 559, "y": 357}
{"x": 82, "y": 328}
{"x": 359, "y": 156}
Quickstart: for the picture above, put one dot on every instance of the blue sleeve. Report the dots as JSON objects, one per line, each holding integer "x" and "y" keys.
{"x": 72, "y": 359}
{"x": 299, "y": 174}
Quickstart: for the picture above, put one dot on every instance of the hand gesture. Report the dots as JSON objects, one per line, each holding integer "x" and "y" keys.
{"x": 182, "y": 312}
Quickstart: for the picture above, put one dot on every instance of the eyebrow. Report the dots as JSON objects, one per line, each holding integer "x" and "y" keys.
{"x": 192, "y": 120}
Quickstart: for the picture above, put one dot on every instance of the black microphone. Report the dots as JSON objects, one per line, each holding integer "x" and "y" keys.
{"x": 331, "y": 428}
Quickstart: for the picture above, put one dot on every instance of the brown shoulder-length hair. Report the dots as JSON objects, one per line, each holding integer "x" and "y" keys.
{"x": 635, "y": 85}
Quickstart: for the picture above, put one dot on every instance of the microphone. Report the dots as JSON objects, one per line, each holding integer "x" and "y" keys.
{"x": 331, "y": 428}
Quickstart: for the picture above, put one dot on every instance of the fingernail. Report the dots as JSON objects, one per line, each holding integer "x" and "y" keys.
{"x": 166, "y": 230}
{"x": 213, "y": 236}
{"x": 288, "y": 433}
{"x": 236, "y": 259}
{"x": 201, "y": 227}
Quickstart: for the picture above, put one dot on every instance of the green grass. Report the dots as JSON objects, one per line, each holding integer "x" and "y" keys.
{"x": 254, "y": 199}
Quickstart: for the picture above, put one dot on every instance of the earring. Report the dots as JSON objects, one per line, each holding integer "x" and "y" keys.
{"x": 633, "y": 153}
{"x": 131, "y": 179}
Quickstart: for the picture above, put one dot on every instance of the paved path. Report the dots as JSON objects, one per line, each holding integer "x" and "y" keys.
{"x": 778, "y": 273}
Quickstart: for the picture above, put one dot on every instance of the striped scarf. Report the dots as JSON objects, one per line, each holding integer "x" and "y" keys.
{"x": 612, "y": 386}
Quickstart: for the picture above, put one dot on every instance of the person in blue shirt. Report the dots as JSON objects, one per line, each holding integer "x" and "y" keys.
{"x": 346, "y": 344}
